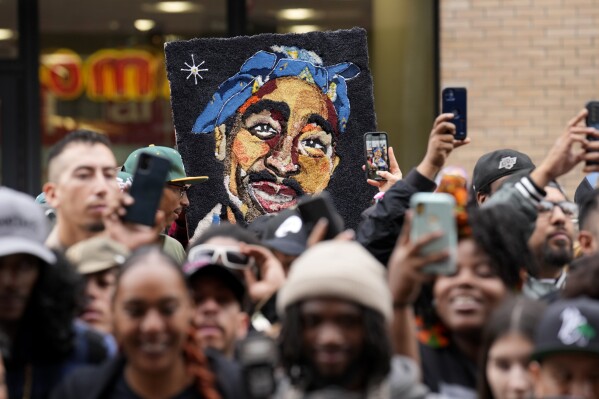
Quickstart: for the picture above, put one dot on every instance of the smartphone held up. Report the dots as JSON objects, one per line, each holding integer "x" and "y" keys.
{"x": 146, "y": 188}
{"x": 434, "y": 212}
{"x": 376, "y": 153}
{"x": 592, "y": 120}
{"x": 454, "y": 101}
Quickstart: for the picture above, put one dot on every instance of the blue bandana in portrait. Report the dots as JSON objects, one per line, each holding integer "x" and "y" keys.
{"x": 271, "y": 119}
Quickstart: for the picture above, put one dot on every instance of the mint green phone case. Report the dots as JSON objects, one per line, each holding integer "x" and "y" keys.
{"x": 434, "y": 212}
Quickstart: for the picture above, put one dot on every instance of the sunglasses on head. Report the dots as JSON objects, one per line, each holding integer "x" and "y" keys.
{"x": 227, "y": 256}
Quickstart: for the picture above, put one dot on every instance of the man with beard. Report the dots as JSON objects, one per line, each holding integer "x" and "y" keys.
{"x": 551, "y": 243}
{"x": 549, "y": 215}
{"x": 174, "y": 198}
{"x": 275, "y": 125}
{"x": 81, "y": 186}
{"x": 336, "y": 309}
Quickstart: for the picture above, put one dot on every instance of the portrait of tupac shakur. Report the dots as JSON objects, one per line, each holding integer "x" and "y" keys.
{"x": 272, "y": 118}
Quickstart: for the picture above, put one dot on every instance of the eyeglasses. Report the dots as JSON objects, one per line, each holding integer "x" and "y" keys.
{"x": 182, "y": 190}
{"x": 569, "y": 209}
{"x": 227, "y": 256}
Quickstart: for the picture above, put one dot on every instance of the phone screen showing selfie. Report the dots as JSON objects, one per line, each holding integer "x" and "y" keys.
{"x": 376, "y": 155}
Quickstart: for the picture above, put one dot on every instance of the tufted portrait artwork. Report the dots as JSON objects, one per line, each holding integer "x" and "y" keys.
{"x": 271, "y": 118}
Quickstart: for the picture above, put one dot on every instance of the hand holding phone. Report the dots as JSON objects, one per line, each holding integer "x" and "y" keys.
{"x": 406, "y": 264}
{"x": 375, "y": 150}
{"x": 131, "y": 235}
{"x": 592, "y": 120}
{"x": 454, "y": 101}
{"x": 432, "y": 213}
{"x": 147, "y": 187}
{"x": 390, "y": 177}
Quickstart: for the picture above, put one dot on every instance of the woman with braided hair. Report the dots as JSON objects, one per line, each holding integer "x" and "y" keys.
{"x": 160, "y": 356}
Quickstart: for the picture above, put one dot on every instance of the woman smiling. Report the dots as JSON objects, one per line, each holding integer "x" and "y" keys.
{"x": 160, "y": 356}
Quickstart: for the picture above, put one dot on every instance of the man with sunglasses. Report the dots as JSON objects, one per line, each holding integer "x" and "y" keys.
{"x": 218, "y": 294}
{"x": 215, "y": 272}
{"x": 550, "y": 217}
{"x": 220, "y": 303}
{"x": 174, "y": 199}
{"x": 552, "y": 242}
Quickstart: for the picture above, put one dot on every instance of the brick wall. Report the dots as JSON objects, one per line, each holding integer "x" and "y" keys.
{"x": 529, "y": 66}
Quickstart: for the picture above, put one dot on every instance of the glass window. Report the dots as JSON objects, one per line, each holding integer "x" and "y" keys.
{"x": 9, "y": 48}
{"x": 107, "y": 73}
{"x": 273, "y": 16}
{"x": 401, "y": 41}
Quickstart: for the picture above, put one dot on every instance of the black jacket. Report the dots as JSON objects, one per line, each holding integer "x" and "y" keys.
{"x": 448, "y": 372}
{"x": 89, "y": 348}
{"x": 382, "y": 223}
{"x": 97, "y": 382}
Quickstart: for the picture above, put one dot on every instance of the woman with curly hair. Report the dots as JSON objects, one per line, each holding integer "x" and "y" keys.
{"x": 453, "y": 309}
{"x": 160, "y": 356}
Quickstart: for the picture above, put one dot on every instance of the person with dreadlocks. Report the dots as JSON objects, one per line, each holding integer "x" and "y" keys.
{"x": 336, "y": 310}
{"x": 160, "y": 355}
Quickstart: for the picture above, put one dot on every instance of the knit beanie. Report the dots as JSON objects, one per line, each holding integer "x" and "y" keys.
{"x": 341, "y": 269}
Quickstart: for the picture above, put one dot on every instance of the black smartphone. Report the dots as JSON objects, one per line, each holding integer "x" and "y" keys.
{"x": 592, "y": 121}
{"x": 312, "y": 209}
{"x": 146, "y": 189}
{"x": 376, "y": 156}
{"x": 454, "y": 101}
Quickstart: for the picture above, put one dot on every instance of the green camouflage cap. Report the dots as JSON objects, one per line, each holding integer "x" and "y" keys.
{"x": 177, "y": 172}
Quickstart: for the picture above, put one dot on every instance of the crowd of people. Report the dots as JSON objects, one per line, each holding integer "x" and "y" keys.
{"x": 92, "y": 306}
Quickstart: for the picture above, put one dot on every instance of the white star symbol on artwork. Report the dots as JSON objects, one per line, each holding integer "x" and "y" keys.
{"x": 194, "y": 69}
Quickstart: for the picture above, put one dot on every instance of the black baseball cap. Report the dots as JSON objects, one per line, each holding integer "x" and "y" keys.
{"x": 567, "y": 326}
{"x": 204, "y": 268}
{"x": 286, "y": 233}
{"x": 261, "y": 226}
{"x": 494, "y": 165}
